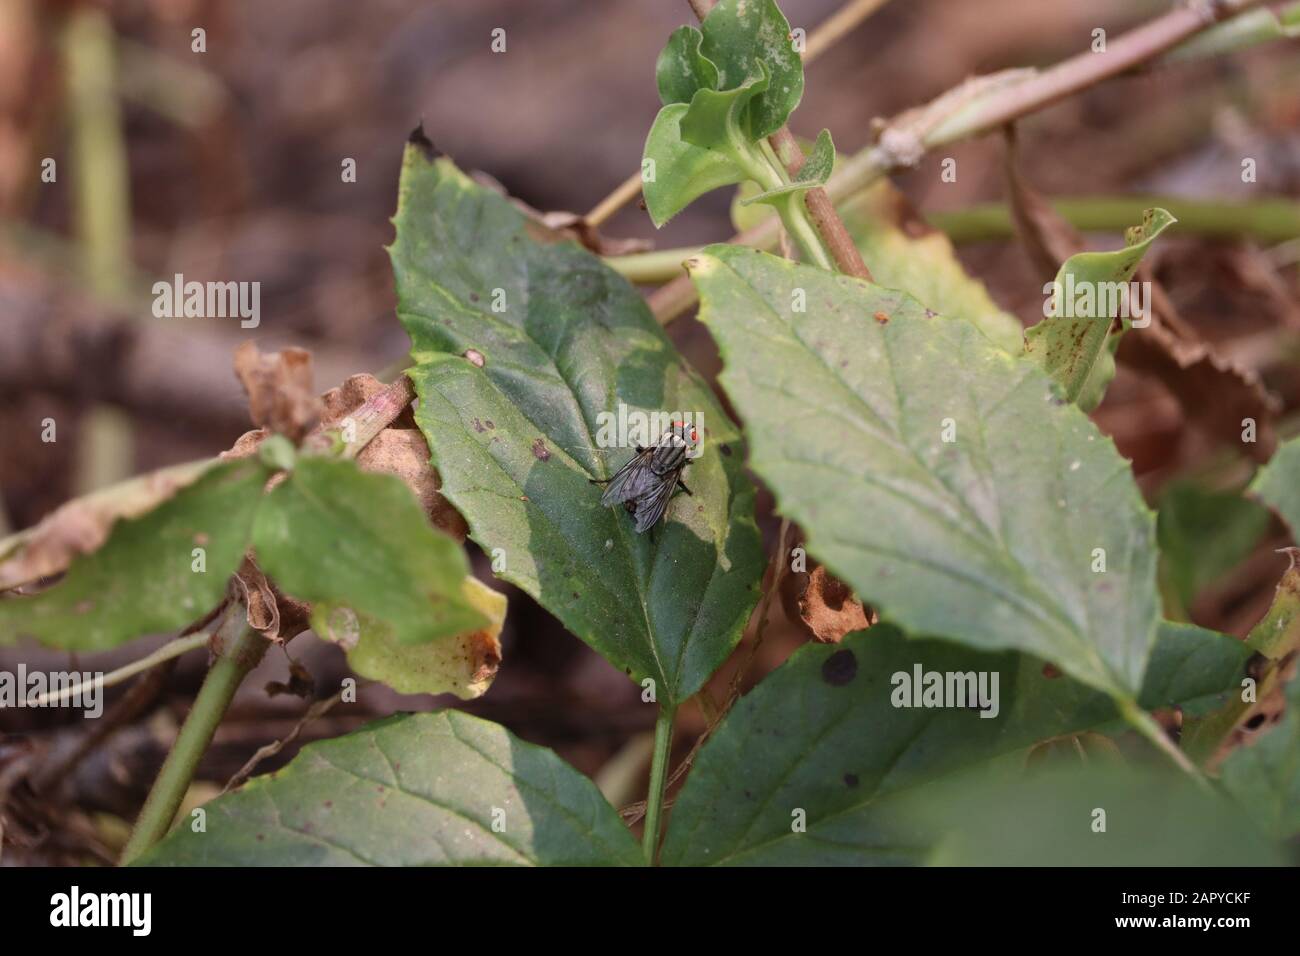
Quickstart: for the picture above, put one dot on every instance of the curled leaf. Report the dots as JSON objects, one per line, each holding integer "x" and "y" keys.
{"x": 279, "y": 387}
{"x": 682, "y": 69}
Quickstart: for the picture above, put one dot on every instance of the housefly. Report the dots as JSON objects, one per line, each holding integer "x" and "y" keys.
{"x": 644, "y": 485}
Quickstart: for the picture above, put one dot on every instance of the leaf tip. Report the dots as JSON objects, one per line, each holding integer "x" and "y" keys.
{"x": 420, "y": 140}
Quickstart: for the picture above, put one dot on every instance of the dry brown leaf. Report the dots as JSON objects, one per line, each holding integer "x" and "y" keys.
{"x": 1213, "y": 392}
{"x": 281, "y": 397}
{"x": 829, "y": 609}
{"x": 271, "y": 612}
{"x": 398, "y": 450}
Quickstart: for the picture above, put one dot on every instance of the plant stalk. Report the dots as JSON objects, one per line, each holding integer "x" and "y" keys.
{"x": 658, "y": 781}
{"x": 1147, "y": 726}
{"x": 993, "y": 108}
{"x": 241, "y": 650}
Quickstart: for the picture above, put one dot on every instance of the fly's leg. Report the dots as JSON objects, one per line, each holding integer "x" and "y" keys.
{"x": 682, "y": 485}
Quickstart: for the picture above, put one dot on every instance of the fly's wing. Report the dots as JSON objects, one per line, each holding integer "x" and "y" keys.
{"x": 631, "y": 481}
{"x": 651, "y": 506}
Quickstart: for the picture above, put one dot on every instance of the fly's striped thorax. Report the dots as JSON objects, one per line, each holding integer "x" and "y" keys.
{"x": 669, "y": 455}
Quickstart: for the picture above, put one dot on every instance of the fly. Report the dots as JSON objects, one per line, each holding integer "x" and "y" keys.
{"x": 644, "y": 485}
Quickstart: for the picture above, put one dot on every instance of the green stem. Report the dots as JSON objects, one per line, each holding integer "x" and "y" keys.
{"x": 1269, "y": 220}
{"x": 794, "y": 214}
{"x": 1147, "y": 726}
{"x": 654, "y": 803}
{"x": 241, "y": 650}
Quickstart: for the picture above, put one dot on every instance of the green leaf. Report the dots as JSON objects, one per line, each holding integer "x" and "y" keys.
{"x": 517, "y": 434}
{"x": 1069, "y": 344}
{"x": 680, "y": 173}
{"x": 715, "y": 119}
{"x": 1203, "y": 535}
{"x": 332, "y": 533}
{"x": 1264, "y": 775}
{"x": 814, "y": 172}
{"x": 1055, "y": 818}
{"x": 413, "y": 790}
{"x": 742, "y": 36}
{"x": 463, "y": 664}
{"x": 1277, "y": 484}
{"x": 682, "y": 68}
{"x": 157, "y": 572}
{"x": 822, "y": 734}
{"x": 906, "y": 253}
{"x": 990, "y": 538}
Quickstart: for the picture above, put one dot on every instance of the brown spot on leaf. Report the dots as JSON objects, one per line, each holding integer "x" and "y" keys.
{"x": 840, "y": 668}
{"x": 540, "y": 451}
{"x": 882, "y": 318}
{"x": 474, "y": 357}
{"x": 850, "y": 779}
{"x": 1050, "y": 671}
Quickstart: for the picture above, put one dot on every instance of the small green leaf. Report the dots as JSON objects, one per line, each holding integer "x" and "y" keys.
{"x": 157, "y": 572}
{"x": 682, "y": 68}
{"x": 335, "y": 534}
{"x": 814, "y": 172}
{"x": 678, "y": 173}
{"x": 1086, "y": 301}
{"x": 740, "y": 38}
{"x": 937, "y": 475}
{"x": 822, "y": 735}
{"x": 277, "y": 452}
{"x": 414, "y": 790}
{"x": 1264, "y": 775}
{"x": 715, "y": 118}
{"x": 1277, "y": 484}
{"x": 565, "y": 350}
